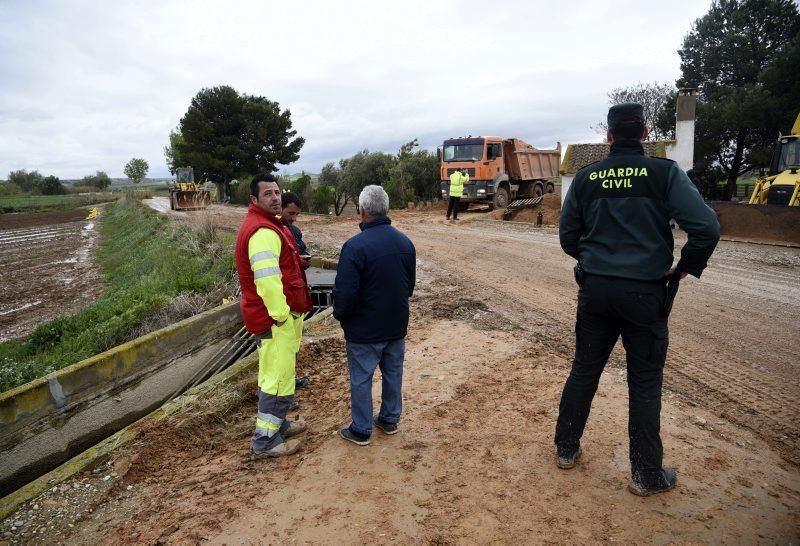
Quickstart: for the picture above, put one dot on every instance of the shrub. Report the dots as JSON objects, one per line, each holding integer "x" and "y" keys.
{"x": 9, "y": 188}
{"x": 99, "y": 180}
{"x": 321, "y": 200}
{"x": 51, "y": 185}
{"x": 80, "y": 188}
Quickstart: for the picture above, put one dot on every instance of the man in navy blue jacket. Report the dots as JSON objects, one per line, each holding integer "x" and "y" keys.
{"x": 375, "y": 278}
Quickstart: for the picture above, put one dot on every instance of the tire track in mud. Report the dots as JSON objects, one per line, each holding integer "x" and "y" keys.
{"x": 737, "y": 293}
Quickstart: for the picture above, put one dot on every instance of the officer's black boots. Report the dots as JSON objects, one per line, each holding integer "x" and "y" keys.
{"x": 567, "y": 456}
{"x": 662, "y": 481}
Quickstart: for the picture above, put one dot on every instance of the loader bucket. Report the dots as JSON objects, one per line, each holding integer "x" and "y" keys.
{"x": 759, "y": 223}
{"x": 190, "y": 200}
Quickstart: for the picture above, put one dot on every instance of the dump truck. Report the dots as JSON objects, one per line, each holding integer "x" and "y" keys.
{"x": 500, "y": 169}
{"x": 781, "y": 186}
{"x": 185, "y": 194}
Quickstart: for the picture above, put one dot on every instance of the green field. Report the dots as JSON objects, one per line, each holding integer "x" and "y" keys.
{"x": 147, "y": 262}
{"x": 42, "y": 203}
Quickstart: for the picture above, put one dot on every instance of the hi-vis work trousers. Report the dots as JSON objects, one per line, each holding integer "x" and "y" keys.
{"x": 277, "y": 353}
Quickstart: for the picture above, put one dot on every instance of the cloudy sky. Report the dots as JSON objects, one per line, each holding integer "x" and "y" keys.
{"x": 85, "y": 86}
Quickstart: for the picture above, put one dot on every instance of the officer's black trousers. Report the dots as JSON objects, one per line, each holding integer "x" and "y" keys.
{"x": 607, "y": 309}
{"x": 452, "y": 207}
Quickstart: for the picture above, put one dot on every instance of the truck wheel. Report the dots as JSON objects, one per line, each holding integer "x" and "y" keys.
{"x": 171, "y": 202}
{"x": 537, "y": 190}
{"x": 501, "y": 198}
{"x": 550, "y": 188}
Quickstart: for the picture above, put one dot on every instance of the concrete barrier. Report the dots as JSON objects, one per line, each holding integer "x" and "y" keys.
{"x": 38, "y": 425}
{"x": 98, "y": 454}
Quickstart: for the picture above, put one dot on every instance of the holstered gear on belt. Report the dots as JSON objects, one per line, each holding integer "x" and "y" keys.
{"x": 579, "y": 273}
{"x": 673, "y": 282}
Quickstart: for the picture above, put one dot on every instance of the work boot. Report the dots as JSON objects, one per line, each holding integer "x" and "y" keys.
{"x": 567, "y": 456}
{"x": 384, "y": 426}
{"x": 280, "y": 450}
{"x": 352, "y": 436}
{"x": 294, "y": 428}
{"x": 301, "y": 382}
{"x": 293, "y": 404}
{"x": 663, "y": 481}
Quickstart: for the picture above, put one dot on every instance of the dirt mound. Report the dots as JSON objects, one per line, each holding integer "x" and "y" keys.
{"x": 550, "y": 207}
{"x": 200, "y": 452}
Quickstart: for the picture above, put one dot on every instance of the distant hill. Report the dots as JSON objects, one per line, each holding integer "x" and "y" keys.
{"x": 118, "y": 182}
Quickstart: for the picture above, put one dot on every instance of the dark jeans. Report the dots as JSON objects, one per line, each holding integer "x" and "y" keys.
{"x": 452, "y": 207}
{"x": 607, "y": 309}
{"x": 362, "y": 359}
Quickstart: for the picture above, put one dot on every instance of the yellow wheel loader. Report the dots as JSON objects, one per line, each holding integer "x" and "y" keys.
{"x": 782, "y": 186}
{"x": 185, "y": 194}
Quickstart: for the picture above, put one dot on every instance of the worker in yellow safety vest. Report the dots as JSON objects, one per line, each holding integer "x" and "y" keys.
{"x": 457, "y": 181}
{"x": 275, "y": 297}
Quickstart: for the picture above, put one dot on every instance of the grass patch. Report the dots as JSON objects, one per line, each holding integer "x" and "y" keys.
{"x": 154, "y": 273}
{"x": 42, "y": 203}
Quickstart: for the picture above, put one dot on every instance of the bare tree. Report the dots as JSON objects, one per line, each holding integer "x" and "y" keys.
{"x": 653, "y": 97}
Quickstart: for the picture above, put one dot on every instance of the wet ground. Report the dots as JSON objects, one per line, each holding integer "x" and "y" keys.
{"x": 488, "y": 350}
{"x": 46, "y": 267}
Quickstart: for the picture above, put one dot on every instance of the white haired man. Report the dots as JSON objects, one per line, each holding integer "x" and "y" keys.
{"x": 375, "y": 278}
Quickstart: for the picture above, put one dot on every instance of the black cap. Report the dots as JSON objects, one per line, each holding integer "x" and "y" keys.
{"x": 627, "y": 114}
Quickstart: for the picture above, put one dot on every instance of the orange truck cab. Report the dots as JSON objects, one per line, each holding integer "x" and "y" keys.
{"x": 500, "y": 169}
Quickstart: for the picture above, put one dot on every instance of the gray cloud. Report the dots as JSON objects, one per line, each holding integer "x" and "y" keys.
{"x": 87, "y": 85}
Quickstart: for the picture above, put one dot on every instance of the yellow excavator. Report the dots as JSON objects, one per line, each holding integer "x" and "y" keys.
{"x": 782, "y": 185}
{"x": 185, "y": 194}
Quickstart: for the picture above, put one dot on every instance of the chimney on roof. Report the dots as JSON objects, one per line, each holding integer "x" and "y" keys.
{"x": 684, "y": 127}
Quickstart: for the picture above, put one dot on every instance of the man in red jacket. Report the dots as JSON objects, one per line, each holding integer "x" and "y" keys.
{"x": 275, "y": 296}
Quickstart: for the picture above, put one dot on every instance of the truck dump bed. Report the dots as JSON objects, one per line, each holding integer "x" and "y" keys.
{"x": 524, "y": 162}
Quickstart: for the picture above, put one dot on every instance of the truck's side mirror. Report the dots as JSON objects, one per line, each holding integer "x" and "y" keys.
{"x": 439, "y": 154}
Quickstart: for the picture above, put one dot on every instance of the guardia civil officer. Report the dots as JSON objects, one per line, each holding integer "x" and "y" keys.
{"x": 615, "y": 222}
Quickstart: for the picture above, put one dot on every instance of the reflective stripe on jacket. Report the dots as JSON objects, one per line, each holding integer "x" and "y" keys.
{"x": 457, "y": 181}
{"x": 259, "y": 301}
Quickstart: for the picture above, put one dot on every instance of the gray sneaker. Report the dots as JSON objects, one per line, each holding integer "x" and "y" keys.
{"x": 352, "y": 436}
{"x": 384, "y": 426}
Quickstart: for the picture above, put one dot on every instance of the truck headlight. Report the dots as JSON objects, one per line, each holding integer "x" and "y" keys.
{"x": 481, "y": 192}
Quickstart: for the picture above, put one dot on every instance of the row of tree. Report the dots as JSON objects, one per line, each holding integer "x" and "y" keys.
{"x": 34, "y": 182}
{"x": 411, "y": 175}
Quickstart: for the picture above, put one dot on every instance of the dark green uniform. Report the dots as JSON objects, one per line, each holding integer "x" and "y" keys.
{"x": 615, "y": 221}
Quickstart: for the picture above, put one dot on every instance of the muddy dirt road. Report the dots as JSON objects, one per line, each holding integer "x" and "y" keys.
{"x": 489, "y": 347}
{"x": 46, "y": 267}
